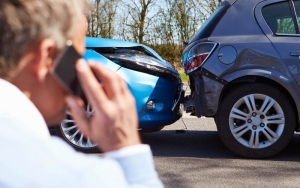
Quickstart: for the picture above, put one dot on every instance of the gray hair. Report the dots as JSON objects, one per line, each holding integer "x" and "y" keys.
{"x": 24, "y": 23}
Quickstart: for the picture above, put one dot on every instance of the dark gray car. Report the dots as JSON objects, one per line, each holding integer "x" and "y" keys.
{"x": 244, "y": 69}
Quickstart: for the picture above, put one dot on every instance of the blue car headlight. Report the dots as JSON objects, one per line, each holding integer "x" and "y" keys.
{"x": 139, "y": 59}
{"x": 144, "y": 63}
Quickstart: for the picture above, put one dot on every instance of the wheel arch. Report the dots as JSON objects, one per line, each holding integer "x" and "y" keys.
{"x": 239, "y": 79}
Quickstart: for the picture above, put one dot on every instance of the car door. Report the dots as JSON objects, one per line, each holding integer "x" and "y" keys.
{"x": 282, "y": 21}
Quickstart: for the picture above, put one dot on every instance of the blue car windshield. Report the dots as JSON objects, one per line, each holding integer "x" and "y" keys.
{"x": 207, "y": 27}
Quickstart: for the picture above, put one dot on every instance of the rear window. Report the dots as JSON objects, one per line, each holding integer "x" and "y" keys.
{"x": 279, "y": 18}
{"x": 207, "y": 27}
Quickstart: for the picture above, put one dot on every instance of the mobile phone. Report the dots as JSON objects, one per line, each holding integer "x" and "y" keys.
{"x": 64, "y": 70}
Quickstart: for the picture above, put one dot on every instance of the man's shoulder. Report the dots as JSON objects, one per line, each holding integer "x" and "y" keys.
{"x": 18, "y": 112}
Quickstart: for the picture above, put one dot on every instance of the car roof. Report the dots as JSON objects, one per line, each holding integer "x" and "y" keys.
{"x": 231, "y": 1}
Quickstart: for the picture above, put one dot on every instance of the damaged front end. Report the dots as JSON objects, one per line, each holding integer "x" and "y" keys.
{"x": 206, "y": 89}
{"x": 155, "y": 83}
{"x": 139, "y": 59}
{"x": 150, "y": 65}
{"x": 144, "y": 63}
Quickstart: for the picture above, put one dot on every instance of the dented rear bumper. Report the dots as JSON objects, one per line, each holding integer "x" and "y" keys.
{"x": 206, "y": 89}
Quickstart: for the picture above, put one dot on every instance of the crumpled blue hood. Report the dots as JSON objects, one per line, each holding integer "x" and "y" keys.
{"x": 93, "y": 42}
{"x": 104, "y": 42}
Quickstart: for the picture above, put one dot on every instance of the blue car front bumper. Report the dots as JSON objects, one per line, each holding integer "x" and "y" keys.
{"x": 164, "y": 92}
{"x": 148, "y": 76}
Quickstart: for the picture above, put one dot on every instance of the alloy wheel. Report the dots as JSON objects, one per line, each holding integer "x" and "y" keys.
{"x": 72, "y": 134}
{"x": 256, "y": 121}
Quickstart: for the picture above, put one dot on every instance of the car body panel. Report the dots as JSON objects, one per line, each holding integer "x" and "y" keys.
{"x": 285, "y": 44}
{"x": 250, "y": 76}
{"x": 143, "y": 86}
{"x": 91, "y": 55}
{"x": 206, "y": 93}
{"x": 147, "y": 87}
{"x": 231, "y": 1}
{"x": 264, "y": 55}
{"x": 234, "y": 18}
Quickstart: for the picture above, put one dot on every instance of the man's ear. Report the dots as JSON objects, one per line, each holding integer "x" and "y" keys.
{"x": 43, "y": 60}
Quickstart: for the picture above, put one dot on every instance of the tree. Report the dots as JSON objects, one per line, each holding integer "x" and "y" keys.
{"x": 187, "y": 19}
{"x": 162, "y": 24}
{"x": 207, "y": 6}
{"x": 102, "y": 18}
{"x": 138, "y": 18}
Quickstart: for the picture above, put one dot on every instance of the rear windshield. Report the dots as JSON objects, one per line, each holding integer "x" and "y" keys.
{"x": 207, "y": 28}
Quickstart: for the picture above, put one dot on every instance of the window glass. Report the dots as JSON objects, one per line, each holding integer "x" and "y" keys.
{"x": 207, "y": 28}
{"x": 297, "y": 7}
{"x": 279, "y": 18}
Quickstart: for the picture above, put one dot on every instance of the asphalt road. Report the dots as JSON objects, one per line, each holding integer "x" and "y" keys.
{"x": 190, "y": 154}
{"x": 198, "y": 158}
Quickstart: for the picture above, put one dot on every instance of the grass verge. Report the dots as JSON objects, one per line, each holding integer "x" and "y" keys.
{"x": 183, "y": 76}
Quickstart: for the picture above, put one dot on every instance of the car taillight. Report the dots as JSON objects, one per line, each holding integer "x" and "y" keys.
{"x": 196, "y": 61}
{"x": 197, "y": 55}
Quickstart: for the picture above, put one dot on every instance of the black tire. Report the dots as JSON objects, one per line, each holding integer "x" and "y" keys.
{"x": 239, "y": 128}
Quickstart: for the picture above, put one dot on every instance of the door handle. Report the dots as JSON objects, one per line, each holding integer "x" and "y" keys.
{"x": 295, "y": 53}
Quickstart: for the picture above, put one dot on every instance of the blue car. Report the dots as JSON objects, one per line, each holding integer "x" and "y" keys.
{"x": 155, "y": 84}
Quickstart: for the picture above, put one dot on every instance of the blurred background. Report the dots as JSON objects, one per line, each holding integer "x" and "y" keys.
{"x": 164, "y": 25}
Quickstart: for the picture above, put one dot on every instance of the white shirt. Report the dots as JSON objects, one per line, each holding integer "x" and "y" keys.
{"x": 30, "y": 157}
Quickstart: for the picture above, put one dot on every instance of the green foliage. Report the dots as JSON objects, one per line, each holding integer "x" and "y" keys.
{"x": 164, "y": 25}
{"x": 286, "y": 25}
{"x": 170, "y": 52}
{"x": 183, "y": 76}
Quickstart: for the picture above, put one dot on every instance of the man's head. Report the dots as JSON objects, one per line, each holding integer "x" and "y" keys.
{"x": 32, "y": 34}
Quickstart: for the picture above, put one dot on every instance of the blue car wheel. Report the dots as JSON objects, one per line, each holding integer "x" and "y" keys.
{"x": 154, "y": 83}
{"x": 68, "y": 131}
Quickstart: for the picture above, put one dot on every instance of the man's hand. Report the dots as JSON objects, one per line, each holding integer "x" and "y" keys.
{"x": 114, "y": 123}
